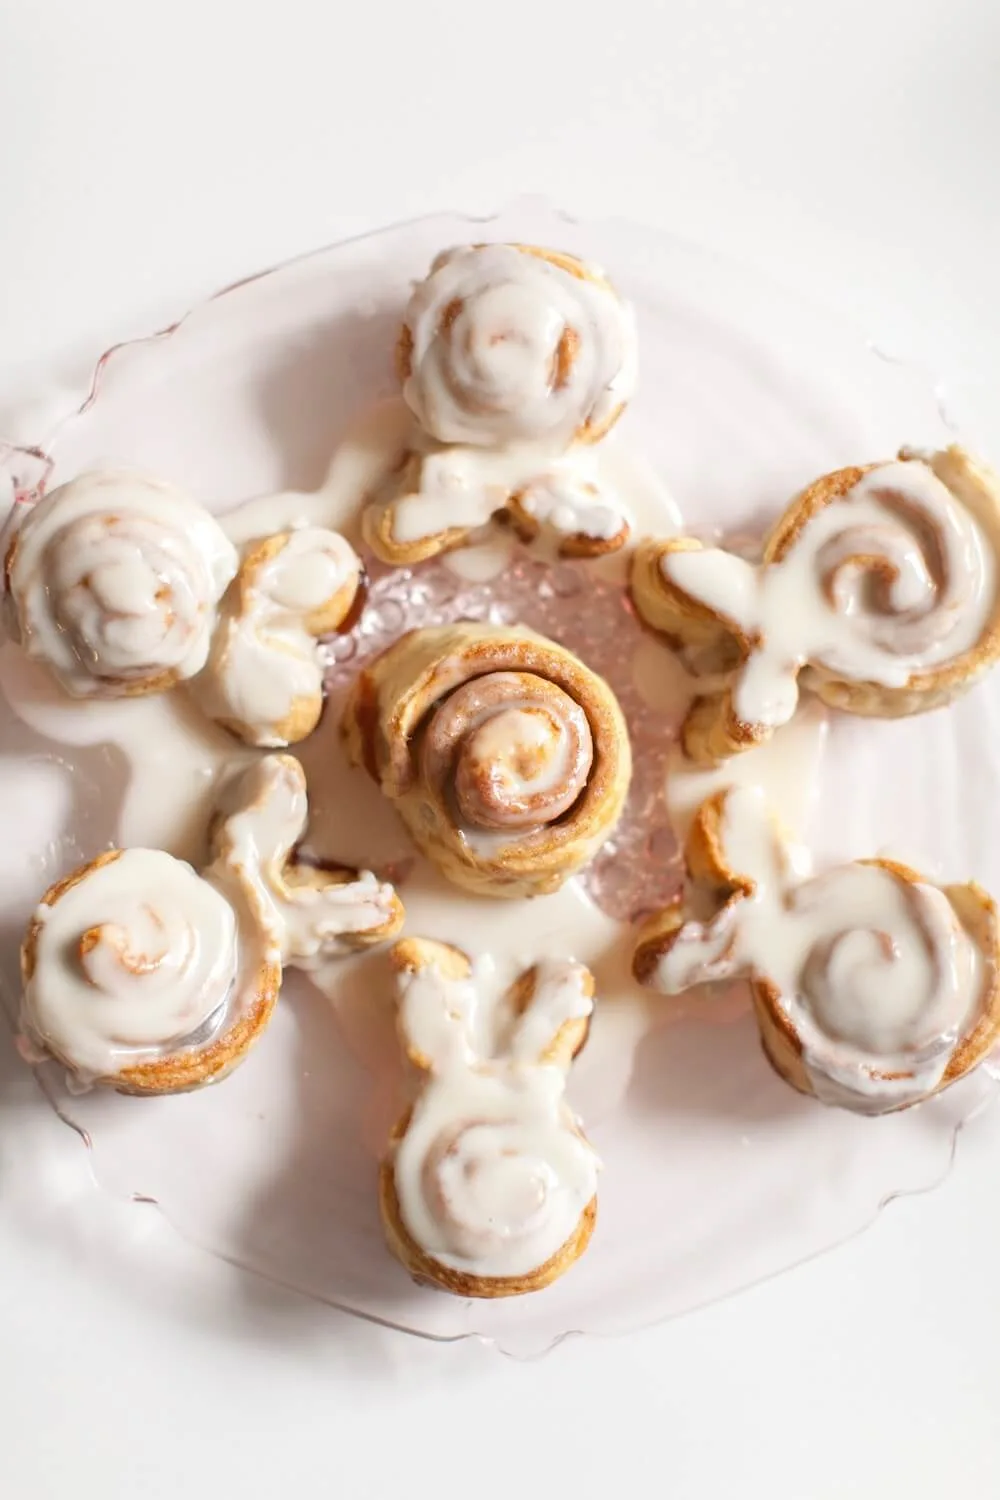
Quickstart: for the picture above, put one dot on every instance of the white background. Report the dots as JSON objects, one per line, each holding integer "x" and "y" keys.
{"x": 149, "y": 153}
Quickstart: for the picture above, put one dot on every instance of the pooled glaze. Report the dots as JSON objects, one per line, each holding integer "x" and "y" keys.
{"x": 876, "y": 974}
{"x": 313, "y": 915}
{"x": 132, "y": 959}
{"x": 492, "y": 1175}
{"x": 893, "y": 579}
{"x": 114, "y": 581}
{"x": 502, "y": 344}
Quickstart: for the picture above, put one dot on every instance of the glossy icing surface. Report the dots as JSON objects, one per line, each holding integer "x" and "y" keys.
{"x": 491, "y": 1174}
{"x": 892, "y": 580}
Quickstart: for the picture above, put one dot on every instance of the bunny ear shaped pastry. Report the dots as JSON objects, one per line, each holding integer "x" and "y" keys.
{"x": 113, "y": 582}
{"x": 264, "y": 677}
{"x": 515, "y": 343}
{"x": 144, "y": 976}
{"x": 873, "y": 987}
{"x": 488, "y": 1188}
{"x": 315, "y": 914}
{"x": 878, "y": 590}
{"x": 440, "y": 498}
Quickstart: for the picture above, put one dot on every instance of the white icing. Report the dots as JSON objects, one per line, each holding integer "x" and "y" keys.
{"x": 492, "y": 1175}
{"x": 487, "y": 325}
{"x": 130, "y": 962}
{"x": 824, "y": 604}
{"x": 114, "y": 582}
{"x": 370, "y": 458}
{"x": 573, "y": 504}
{"x": 265, "y": 658}
{"x": 876, "y": 975}
{"x": 459, "y": 486}
{"x": 309, "y": 921}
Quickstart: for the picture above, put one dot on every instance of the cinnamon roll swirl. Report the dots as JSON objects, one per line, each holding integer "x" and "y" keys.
{"x": 506, "y": 757}
{"x": 878, "y": 590}
{"x": 142, "y": 975}
{"x": 513, "y": 343}
{"x": 489, "y": 1187}
{"x": 113, "y": 582}
{"x": 873, "y": 987}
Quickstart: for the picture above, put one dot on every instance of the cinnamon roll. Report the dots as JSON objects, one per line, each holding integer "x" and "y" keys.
{"x": 877, "y": 590}
{"x": 315, "y": 913}
{"x": 113, "y": 582}
{"x": 142, "y": 975}
{"x": 489, "y": 1187}
{"x": 263, "y": 680}
{"x": 513, "y": 343}
{"x": 873, "y": 987}
{"x": 507, "y": 759}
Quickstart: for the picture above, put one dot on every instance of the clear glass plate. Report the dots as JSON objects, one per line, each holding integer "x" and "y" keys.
{"x": 716, "y": 1174}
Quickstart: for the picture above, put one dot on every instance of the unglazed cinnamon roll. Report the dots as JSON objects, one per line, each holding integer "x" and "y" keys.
{"x": 264, "y": 679}
{"x": 507, "y": 758}
{"x": 315, "y": 913}
{"x": 113, "y": 582}
{"x": 488, "y": 1188}
{"x": 142, "y": 975}
{"x": 873, "y": 987}
{"x": 507, "y": 343}
{"x": 878, "y": 590}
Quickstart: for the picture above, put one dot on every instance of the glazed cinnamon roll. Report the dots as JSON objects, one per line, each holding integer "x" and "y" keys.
{"x": 488, "y": 1188}
{"x": 878, "y": 590}
{"x": 315, "y": 913}
{"x": 142, "y": 975}
{"x": 512, "y": 343}
{"x": 113, "y": 582}
{"x": 873, "y": 987}
{"x": 263, "y": 680}
{"x": 506, "y": 757}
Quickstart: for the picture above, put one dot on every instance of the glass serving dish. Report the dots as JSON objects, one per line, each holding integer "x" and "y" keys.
{"x": 715, "y": 1173}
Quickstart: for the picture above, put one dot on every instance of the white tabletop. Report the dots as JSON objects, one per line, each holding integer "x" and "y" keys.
{"x": 151, "y": 154}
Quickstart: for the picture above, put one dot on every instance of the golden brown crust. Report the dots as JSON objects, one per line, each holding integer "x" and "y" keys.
{"x": 712, "y": 882}
{"x": 240, "y": 601}
{"x": 428, "y": 1271}
{"x": 378, "y": 522}
{"x": 389, "y": 705}
{"x": 410, "y": 955}
{"x": 574, "y": 545}
{"x": 589, "y": 432}
{"x": 177, "y": 1072}
{"x": 713, "y": 730}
